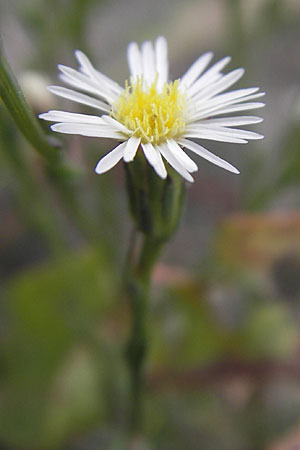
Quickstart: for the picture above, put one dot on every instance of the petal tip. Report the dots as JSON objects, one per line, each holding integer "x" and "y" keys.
{"x": 78, "y": 54}
{"x": 127, "y": 159}
{"x": 51, "y": 88}
{"x": 98, "y": 170}
{"x": 161, "y": 38}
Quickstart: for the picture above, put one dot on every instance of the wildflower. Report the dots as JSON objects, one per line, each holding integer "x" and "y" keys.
{"x": 154, "y": 114}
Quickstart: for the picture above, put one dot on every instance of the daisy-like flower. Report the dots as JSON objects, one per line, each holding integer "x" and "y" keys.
{"x": 155, "y": 115}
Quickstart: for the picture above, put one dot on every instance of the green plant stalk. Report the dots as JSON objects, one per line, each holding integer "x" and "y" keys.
{"x": 59, "y": 174}
{"x": 15, "y": 102}
{"x": 156, "y": 206}
{"x": 138, "y": 278}
{"x": 31, "y": 199}
{"x": 236, "y": 29}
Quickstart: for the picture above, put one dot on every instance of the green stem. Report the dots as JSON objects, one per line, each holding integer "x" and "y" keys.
{"x": 58, "y": 174}
{"x": 14, "y": 100}
{"x": 138, "y": 277}
{"x": 237, "y": 31}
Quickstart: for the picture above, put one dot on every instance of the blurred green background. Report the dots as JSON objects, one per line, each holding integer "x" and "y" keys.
{"x": 224, "y": 365}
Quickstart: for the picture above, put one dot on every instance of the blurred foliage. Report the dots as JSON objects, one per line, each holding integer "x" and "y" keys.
{"x": 223, "y": 370}
{"x": 49, "y": 23}
{"x": 52, "y": 385}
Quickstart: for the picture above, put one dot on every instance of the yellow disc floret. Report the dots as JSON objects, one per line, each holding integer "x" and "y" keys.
{"x": 152, "y": 115}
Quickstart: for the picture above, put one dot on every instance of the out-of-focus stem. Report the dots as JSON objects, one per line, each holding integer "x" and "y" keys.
{"x": 14, "y": 100}
{"x": 56, "y": 172}
{"x": 237, "y": 30}
{"x": 138, "y": 276}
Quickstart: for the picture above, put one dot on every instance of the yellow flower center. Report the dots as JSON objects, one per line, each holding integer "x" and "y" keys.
{"x": 152, "y": 115}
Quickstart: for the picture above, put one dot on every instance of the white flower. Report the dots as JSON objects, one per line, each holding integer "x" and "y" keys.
{"x": 154, "y": 114}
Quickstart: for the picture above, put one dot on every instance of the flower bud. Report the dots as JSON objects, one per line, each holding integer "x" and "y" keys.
{"x": 155, "y": 203}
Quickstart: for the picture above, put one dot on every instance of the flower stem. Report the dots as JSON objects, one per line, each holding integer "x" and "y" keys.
{"x": 13, "y": 98}
{"x": 138, "y": 277}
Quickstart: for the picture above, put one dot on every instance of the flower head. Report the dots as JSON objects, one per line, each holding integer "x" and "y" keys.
{"x": 154, "y": 114}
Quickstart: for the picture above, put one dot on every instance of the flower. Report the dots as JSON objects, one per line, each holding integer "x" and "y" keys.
{"x": 159, "y": 116}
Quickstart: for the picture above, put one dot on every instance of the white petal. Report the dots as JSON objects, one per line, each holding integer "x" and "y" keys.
{"x": 214, "y": 136}
{"x": 231, "y": 132}
{"x": 148, "y": 62}
{"x": 231, "y": 121}
{"x": 78, "y": 97}
{"x": 88, "y": 68}
{"x": 131, "y": 148}
{"x": 250, "y": 97}
{"x": 154, "y": 158}
{"x": 221, "y": 85}
{"x": 115, "y": 124}
{"x": 203, "y": 109}
{"x": 232, "y": 95}
{"x": 169, "y": 156}
{"x": 180, "y": 155}
{"x": 63, "y": 116}
{"x": 161, "y": 61}
{"x": 159, "y": 167}
{"x": 226, "y": 98}
{"x": 83, "y": 82}
{"x": 236, "y": 108}
{"x": 79, "y": 85}
{"x": 201, "y": 151}
{"x": 84, "y": 129}
{"x": 111, "y": 159}
{"x": 206, "y": 78}
{"x": 150, "y": 153}
{"x": 224, "y": 109}
{"x": 204, "y": 84}
{"x": 134, "y": 60}
{"x": 196, "y": 69}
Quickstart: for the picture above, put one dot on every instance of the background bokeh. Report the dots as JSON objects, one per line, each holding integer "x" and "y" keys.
{"x": 224, "y": 365}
